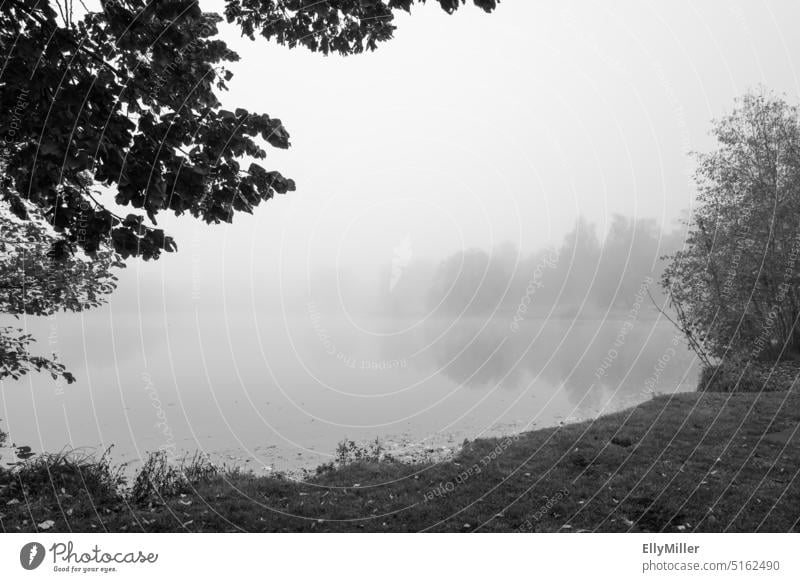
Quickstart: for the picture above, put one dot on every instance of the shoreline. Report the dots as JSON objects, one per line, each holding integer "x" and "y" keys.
{"x": 699, "y": 461}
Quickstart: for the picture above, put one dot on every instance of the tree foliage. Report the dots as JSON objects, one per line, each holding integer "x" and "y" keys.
{"x": 16, "y": 359}
{"x": 345, "y": 26}
{"x": 41, "y": 274}
{"x": 735, "y": 283}
{"x": 123, "y": 102}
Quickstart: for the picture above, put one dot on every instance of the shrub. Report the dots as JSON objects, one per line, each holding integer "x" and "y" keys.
{"x": 732, "y": 376}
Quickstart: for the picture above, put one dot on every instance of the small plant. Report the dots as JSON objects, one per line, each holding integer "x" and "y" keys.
{"x": 349, "y": 452}
{"x": 158, "y": 478}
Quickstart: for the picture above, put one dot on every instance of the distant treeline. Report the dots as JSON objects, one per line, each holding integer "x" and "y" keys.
{"x": 587, "y": 275}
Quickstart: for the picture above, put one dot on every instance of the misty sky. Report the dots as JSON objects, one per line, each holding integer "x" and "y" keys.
{"x": 477, "y": 130}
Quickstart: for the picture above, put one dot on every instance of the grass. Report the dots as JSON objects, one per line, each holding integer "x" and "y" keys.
{"x": 690, "y": 462}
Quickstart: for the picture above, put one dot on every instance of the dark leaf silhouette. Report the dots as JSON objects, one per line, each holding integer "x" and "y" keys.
{"x": 123, "y": 104}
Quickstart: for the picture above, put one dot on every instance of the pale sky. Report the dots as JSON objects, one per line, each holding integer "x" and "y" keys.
{"x": 475, "y": 129}
{"x": 471, "y": 130}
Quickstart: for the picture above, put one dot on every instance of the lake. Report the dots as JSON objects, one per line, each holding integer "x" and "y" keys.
{"x": 279, "y": 392}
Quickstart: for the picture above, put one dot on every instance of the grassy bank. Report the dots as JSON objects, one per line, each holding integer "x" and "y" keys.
{"x": 689, "y": 462}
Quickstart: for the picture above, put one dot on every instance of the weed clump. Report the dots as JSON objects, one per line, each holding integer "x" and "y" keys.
{"x": 158, "y": 478}
{"x": 51, "y": 476}
{"x": 349, "y": 453}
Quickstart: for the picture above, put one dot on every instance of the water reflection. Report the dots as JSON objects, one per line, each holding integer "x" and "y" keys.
{"x": 285, "y": 398}
{"x": 588, "y": 358}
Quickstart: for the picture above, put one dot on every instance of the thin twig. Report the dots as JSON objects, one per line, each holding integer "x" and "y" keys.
{"x": 692, "y": 342}
{"x": 77, "y": 45}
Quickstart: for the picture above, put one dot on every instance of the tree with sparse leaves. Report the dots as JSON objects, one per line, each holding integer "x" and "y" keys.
{"x": 735, "y": 285}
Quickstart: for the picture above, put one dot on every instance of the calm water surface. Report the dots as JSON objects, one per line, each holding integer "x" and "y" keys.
{"x": 279, "y": 393}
